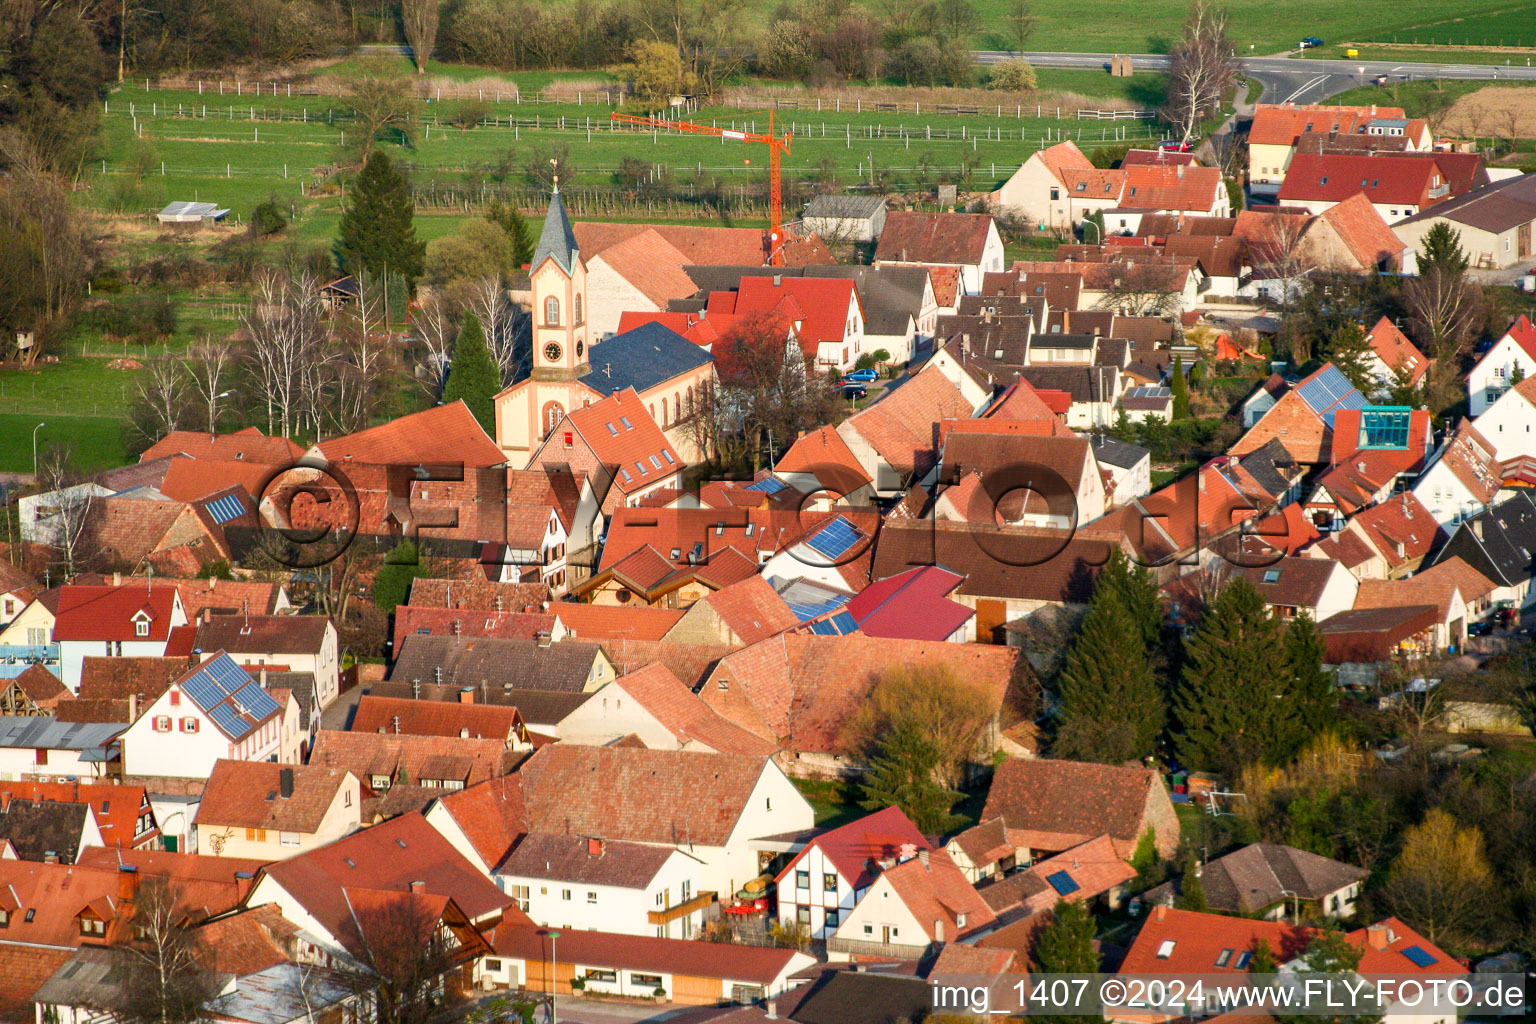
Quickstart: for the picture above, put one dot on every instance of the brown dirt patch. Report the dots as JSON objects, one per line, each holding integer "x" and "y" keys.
{"x": 1499, "y": 111}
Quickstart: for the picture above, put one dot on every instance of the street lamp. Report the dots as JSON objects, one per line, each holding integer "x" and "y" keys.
{"x": 1097, "y": 231}
{"x": 35, "y": 429}
{"x": 554, "y": 968}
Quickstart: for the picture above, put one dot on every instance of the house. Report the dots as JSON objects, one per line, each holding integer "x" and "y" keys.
{"x": 440, "y": 718}
{"x": 910, "y": 908}
{"x": 1397, "y": 186}
{"x": 1059, "y": 186}
{"x": 967, "y": 242}
{"x": 1023, "y": 901}
{"x": 824, "y": 315}
{"x": 894, "y": 440}
{"x": 1373, "y": 449}
{"x": 271, "y": 812}
{"x": 120, "y": 687}
{"x": 662, "y": 712}
{"x": 1263, "y": 399}
{"x": 541, "y": 709}
{"x": 52, "y": 911}
{"x": 34, "y": 690}
{"x": 487, "y": 595}
{"x": 820, "y": 462}
{"x": 418, "y": 766}
{"x": 1293, "y": 585}
{"x": 683, "y": 972}
{"x": 483, "y": 822}
{"x": 1371, "y": 636}
{"x": 1506, "y": 424}
{"x": 1509, "y": 360}
{"x": 44, "y": 747}
{"x": 214, "y": 710}
{"x": 740, "y": 613}
{"x": 343, "y": 894}
{"x": 1386, "y": 540}
{"x": 1127, "y": 469}
{"x": 990, "y": 475}
{"x": 17, "y": 590}
{"x": 822, "y": 883}
{"x": 1440, "y": 591}
{"x": 1270, "y": 879}
{"x": 115, "y": 621}
{"x": 45, "y": 830}
{"x": 410, "y": 620}
{"x": 477, "y": 666}
{"x": 1394, "y": 361}
{"x": 912, "y": 605}
{"x": 589, "y": 883}
{"x": 299, "y": 643}
{"x": 1047, "y": 806}
{"x": 184, "y": 212}
{"x": 1277, "y": 129}
{"x": 615, "y": 443}
{"x": 845, "y": 218}
{"x": 1462, "y": 477}
{"x": 121, "y": 816}
{"x": 1302, "y": 419}
{"x": 1498, "y": 543}
{"x": 706, "y": 805}
{"x": 1493, "y": 223}
{"x": 1141, "y": 403}
{"x": 798, "y": 690}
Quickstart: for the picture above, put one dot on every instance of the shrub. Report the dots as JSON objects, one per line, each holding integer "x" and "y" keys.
{"x": 470, "y": 113}
{"x": 1014, "y": 74}
{"x": 267, "y": 219}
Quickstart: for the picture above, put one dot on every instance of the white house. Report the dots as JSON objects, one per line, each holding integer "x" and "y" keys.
{"x": 658, "y": 708}
{"x": 1508, "y": 423}
{"x": 301, "y": 643}
{"x": 1129, "y": 468}
{"x": 911, "y": 906}
{"x": 968, "y": 242}
{"x": 1509, "y": 360}
{"x": 821, "y": 884}
{"x": 214, "y": 711}
{"x": 1462, "y": 478}
{"x": 1296, "y": 584}
{"x": 115, "y": 621}
{"x": 595, "y": 884}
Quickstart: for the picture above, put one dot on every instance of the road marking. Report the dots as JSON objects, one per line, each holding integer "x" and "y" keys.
{"x": 1320, "y": 79}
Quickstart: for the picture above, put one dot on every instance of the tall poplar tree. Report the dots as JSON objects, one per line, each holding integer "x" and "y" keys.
{"x": 472, "y": 375}
{"x": 377, "y": 231}
{"x": 1180, "y": 390}
{"x": 1311, "y": 689}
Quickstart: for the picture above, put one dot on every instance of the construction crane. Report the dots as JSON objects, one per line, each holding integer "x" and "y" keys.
{"x": 776, "y": 147}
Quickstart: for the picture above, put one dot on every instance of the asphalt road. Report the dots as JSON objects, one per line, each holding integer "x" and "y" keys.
{"x": 1289, "y": 78}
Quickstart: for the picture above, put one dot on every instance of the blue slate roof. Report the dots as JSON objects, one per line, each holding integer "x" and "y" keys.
{"x": 557, "y": 239}
{"x": 641, "y": 359}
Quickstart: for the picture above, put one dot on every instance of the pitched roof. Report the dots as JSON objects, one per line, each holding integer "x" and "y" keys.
{"x": 45, "y": 901}
{"x": 1041, "y": 565}
{"x": 248, "y": 445}
{"x": 752, "y": 609}
{"x": 265, "y": 634}
{"x": 639, "y": 795}
{"x": 943, "y": 238}
{"x": 1385, "y": 947}
{"x": 227, "y": 695}
{"x": 1185, "y": 942}
{"x": 615, "y": 622}
{"x": 41, "y": 686}
{"x": 1292, "y": 581}
{"x": 820, "y": 305}
{"x": 464, "y": 661}
{"x": 33, "y": 828}
{"x": 626, "y": 439}
{"x": 411, "y": 760}
{"x": 491, "y": 815}
{"x": 800, "y": 689}
{"x": 444, "y": 434}
{"x": 1402, "y": 520}
{"x": 843, "y": 206}
{"x": 1418, "y": 589}
{"x": 825, "y": 455}
{"x": 651, "y": 264}
{"x": 642, "y": 358}
{"x": 1372, "y": 634}
{"x": 672, "y": 703}
{"x": 249, "y": 794}
{"x": 1257, "y": 876}
{"x": 388, "y": 857}
{"x": 1523, "y": 333}
{"x": 410, "y": 619}
{"x": 1470, "y": 458}
{"x": 937, "y": 894}
{"x": 1334, "y": 177}
{"x": 1080, "y": 873}
{"x": 435, "y": 718}
{"x": 1495, "y": 207}
{"x": 477, "y": 593}
{"x": 103, "y": 678}
{"x": 575, "y": 858}
{"x": 556, "y": 240}
{"x": 1281, "y": 124}
{"x": 699, "y": 244}
{"x": 1179, "y": 187}
{"x": 116, "y": 808}
{"x": 1506, "y": 535}
{"x": 912, "y": 605}
{"x": 109, "y": 613}
{"x": 859, "y": 849}
{"x": 1070, "y": 801}
{"x": 1363, "y": 231}
{"x": 902, "y": 425}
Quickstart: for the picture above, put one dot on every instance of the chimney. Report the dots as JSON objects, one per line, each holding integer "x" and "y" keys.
{"x": 243, "y": 880}
{"x": 1180, "y": 170}
{"x": 117, "y": 579}
{"x": 396, "y": 720}
{"x": 263, "y": 677}
{"x": 285, "y": 783}
{"x": 922, "y": 857}
{"x": 1159, "y": 913}
{"x": 419, "y": 887}
{"x": 1379, "y": 936}
{"x": 50, "y": 856}
{"x": 1477, "y": 528}
{"x": 908, "y": 851}
{"x": 133, "y": 707}
{"x": 938, "y": 929}
{"x": 127, "y": 882}
{"x": 5, "y": 801}
{"x": 213, "y": 582}
{"x": 594, "y": 847}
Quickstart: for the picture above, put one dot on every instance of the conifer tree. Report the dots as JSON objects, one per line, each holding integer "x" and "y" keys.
{"x": 905, "y": 774}
{"x": 1330, "y": 953}
{"x": 1263, "y": 961}
{"x": 1351, "y": 354}
{"x": 1311, "y": 689}
{"x": 1180, "y": 390}
{"x": 472, "y": 375}
{"x": 1065, "y": 946}
{"x": 377, "y": 234}
{"x": 1441, "y": 251}
{"x": 1231, "y": 702}
{"x": 507, "y": 217}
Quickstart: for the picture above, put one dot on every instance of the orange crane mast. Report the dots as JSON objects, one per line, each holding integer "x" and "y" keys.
{"x": 776, "y": 147}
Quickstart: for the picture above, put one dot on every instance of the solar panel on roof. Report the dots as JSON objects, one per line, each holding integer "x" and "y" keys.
{"x": 226, "y": 508}
{"x": 767, "y": 485}
{"x": 205, "y": 693}
{"x": 844, "y": 622}
{"x": 1062, "y": 882}
{"x": 229, "y": 721}
{"x": 256, "y": 700}
{"x": 229, "y": 676}
{"x": 1419, "y": 956}
{"x": 834, "y": 539}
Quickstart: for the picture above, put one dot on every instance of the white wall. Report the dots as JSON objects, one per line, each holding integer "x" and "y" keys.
{"x": 1493, "y": 375}
{"x": 881, "y": 916}
{"x": 612, "y": 908}
{"x": 1446, "y": 498}
{"x": 815, "y": 897}
{"x": 22, "y": 763}
{"x": 610, "y": 713}
{"x": 181, "y": 754}
{"x": 775, "y": 806}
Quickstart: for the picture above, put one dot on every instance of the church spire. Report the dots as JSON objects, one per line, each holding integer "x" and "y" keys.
{"x": 557, "y": 239}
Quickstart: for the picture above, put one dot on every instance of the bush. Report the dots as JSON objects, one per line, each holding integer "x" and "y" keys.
{"x": 923, "y": 61}
{"x": 578, "y": 984}
{"x": 267, "y": 219}
{"x": 470, "y": 113}
{"x": 1014, "y": 75}
{"x": 392, "y": 583}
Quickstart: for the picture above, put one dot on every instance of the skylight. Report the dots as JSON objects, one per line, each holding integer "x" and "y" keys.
{"x": 1166, "y": 949}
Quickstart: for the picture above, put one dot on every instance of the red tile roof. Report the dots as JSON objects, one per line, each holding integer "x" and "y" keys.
{"x": 41, "y": 686}
{"x": 946, "y": 286}
{"x": 1160, "y": 187}
{"x": 442, "y": 435}
{"x": 1383, "y": 178}
{"x": 192, "y": 479}
{"x": 913, "y": 605}
{"x": 693, "y": 326}
{"x": 1281, "y": 124}
{"x": 955, "y": 239}
{"x": 936, "y": 892}
{"x": 264, "y": 634}
{"x": 411, "y": 759}
{"x": 697, "y": 243}
{"x": 248, "y": 794}
{"x": 903, "y": 425}
{"x": 478, "y": 593}
{"x": 1401, "y": 520}
{"x": 752, "y": 609}
{"x": 1192, "y": 943}
{"x": 248, "y": 445}
{"x": 820, "y": 304}
{"x": 672, "y": 703}
{"x": 651, "y": 265}
{"x": 410, "y": 619}
{"x": 436, "y": 718}
{"x": 116, "y": 808}
{"x": 1095, "y": 866}
{"x": 45, "y": 900}
{"x": 858, "y": 848}
{"x": 826, "y": 456}
{"x": 491, "y": 815}
{"x": 1058, "y": 804}
{"x": 614, "y": 622}
{"x": 627, "y": 450}
{"x": 1363, "y": 231}
{"x": 1523, "y": 333}
{"x": 1382, "y": 947}
{"x": 108, "y": 613}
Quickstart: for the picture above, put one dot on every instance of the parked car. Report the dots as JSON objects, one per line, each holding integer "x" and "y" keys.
{"x": 1482, "y": 628}
{"x": 1311, "y": 42}
{"x": 1173, "y": 146}
{"x": 852, "y": 389}
{"x": 865, "y": 375}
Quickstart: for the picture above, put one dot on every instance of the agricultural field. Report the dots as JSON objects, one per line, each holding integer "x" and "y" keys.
{"x": 1425, "y": 55}
{"x": 1512, "y": 25}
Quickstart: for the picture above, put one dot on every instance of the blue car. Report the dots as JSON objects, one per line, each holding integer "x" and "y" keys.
{"x": 865, "y": 376}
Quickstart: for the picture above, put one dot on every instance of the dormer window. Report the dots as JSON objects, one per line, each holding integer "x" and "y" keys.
{"x": 141, "y": 628}
{"x": 92, "y": 927}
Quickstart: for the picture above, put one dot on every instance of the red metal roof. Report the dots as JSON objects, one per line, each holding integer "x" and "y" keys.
{"x": 913, "y": 605}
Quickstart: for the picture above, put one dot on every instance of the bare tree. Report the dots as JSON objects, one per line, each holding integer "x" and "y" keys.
{"x": 161, "y": 972}
{"x": 1144, "y": 289}
{"x": 285, "y": 324}
{"x": 1283, "y": 253}
{"x": 1201, "y": 68}
{"x": 1020, "y": 15}
{"x": 765, "y": 390}
{"x": 437, "y": 324}
{"x": 163, "y": 393}
{"x": 381, "y": 106}
{"x": 501, "y": 320}
{"x": 212, "y": 368}
{"x": 352, "y": 374}
{"x": 64, "y": 522}
{"x": 419, "y": 18}
{"x": 1513, "y": 122}
{"x": 403, "y": 954}
{"x": 1443, "y": 309}
{"x": 707, "y": 34}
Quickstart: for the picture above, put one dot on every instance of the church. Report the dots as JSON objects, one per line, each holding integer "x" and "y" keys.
{"x": 665, "y": 369}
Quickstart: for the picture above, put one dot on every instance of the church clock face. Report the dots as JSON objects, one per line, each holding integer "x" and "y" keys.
{"x": 552, "y": 352}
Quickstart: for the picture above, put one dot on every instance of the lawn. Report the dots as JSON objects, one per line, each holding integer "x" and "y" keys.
{"x": 96, "y": 442}
{"x": 1409, "y": 55}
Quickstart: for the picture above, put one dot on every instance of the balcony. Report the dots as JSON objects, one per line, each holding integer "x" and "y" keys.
{"x": 677, "y": 910}
{"x": 1440, "y": 191}
{"x": 889, "y": 950}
